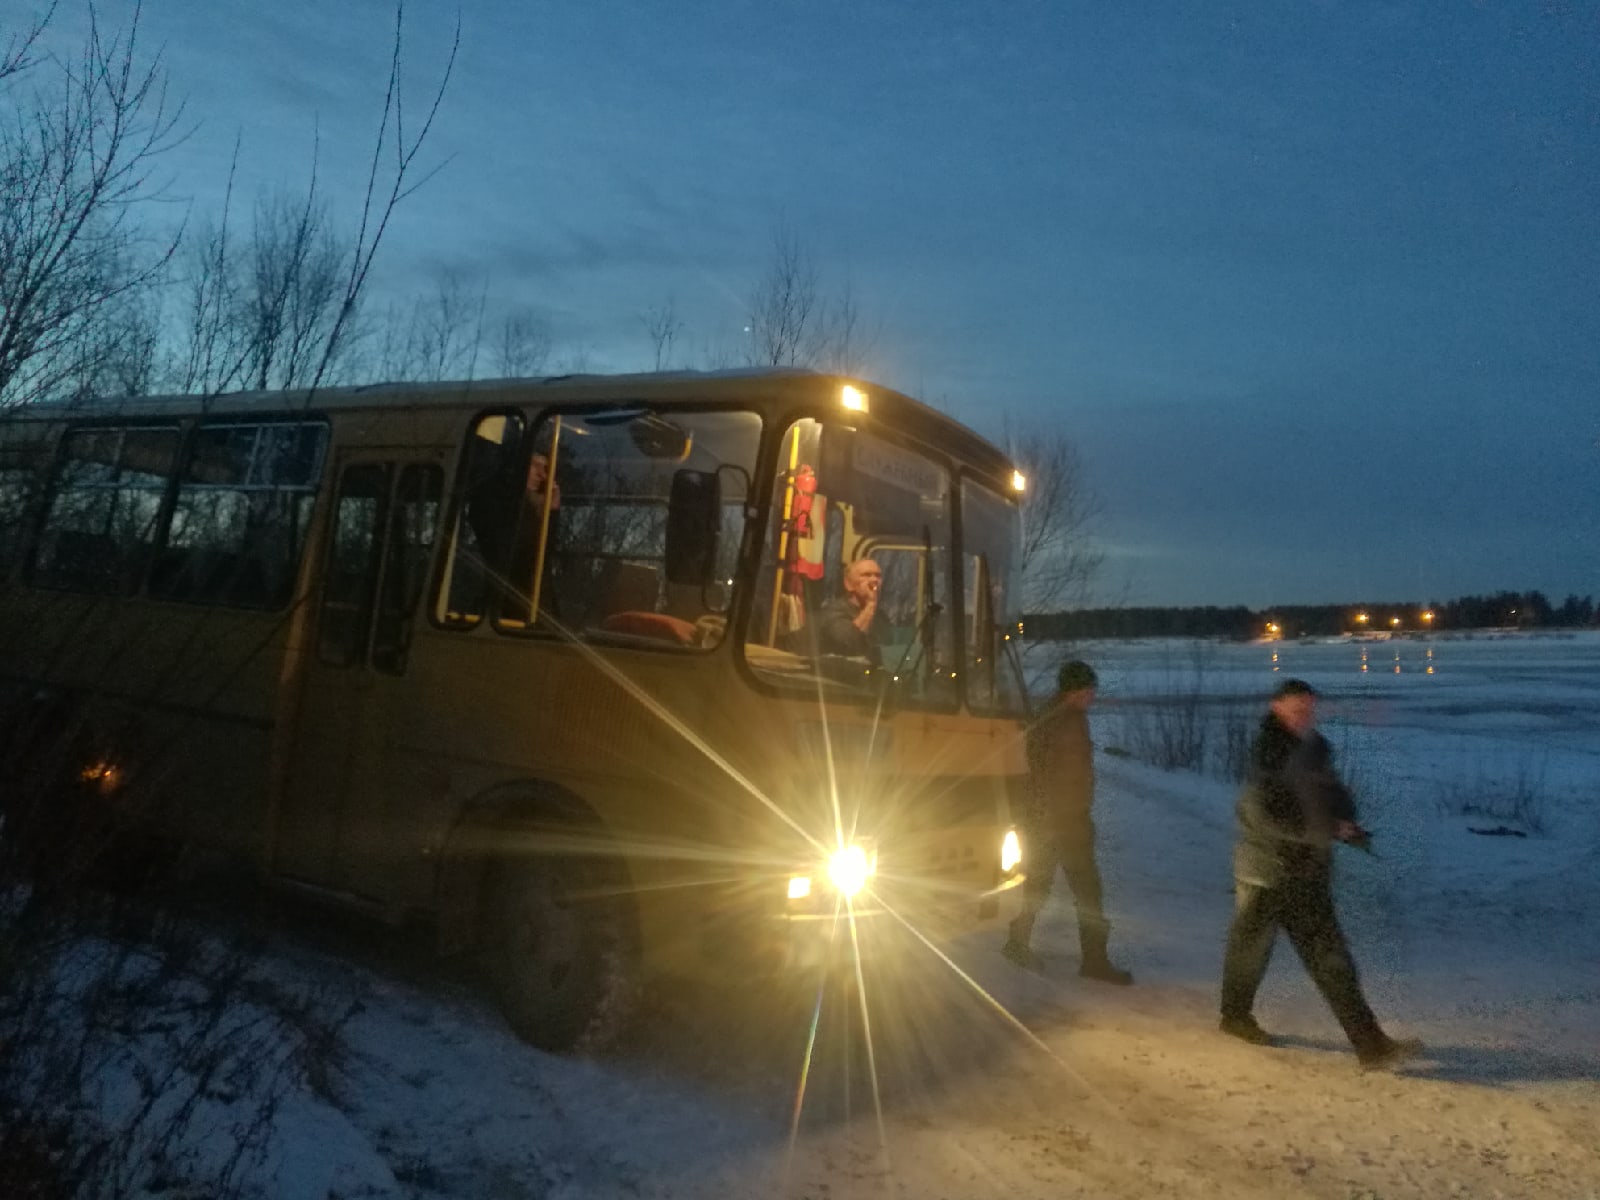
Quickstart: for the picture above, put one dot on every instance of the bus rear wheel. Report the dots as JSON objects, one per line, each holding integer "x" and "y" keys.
{"x": 561, "y": 950}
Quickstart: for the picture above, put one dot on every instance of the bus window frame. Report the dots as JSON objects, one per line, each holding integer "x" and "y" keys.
{"x": 536, "y": 418}
{"x": 985, "y": 711}
{"x": 27, "y": 566}
{"x": 48, "y": 448}
{"x": 358, "y": 645}
{"x": 454, "y": 513}
{"x": 768, "y": 466}
{"x": 317, "y": 480}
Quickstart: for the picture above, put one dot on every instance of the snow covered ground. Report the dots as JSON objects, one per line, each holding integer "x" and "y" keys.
{"x": 979, "y": 1079}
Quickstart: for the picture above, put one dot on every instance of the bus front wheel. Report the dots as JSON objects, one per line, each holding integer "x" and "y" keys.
{"x": 561, "y": 950}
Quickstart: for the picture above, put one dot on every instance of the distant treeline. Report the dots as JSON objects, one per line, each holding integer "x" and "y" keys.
{"x": 1500, "y": 611}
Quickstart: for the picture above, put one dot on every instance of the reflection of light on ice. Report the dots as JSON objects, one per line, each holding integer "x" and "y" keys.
{"x": 1363, "y": 662}
{"x": 1275, "y": 660}
{"x": 1429, "y": 656}
{"x": 1397, "y": 662}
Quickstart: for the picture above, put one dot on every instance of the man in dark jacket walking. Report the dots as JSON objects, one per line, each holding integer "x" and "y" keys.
{"x": 1058, "y": 829}
{"x": 1293, "y": 808}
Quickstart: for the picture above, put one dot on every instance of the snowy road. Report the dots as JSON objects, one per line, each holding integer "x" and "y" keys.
{"x": 1111, "y": 1092}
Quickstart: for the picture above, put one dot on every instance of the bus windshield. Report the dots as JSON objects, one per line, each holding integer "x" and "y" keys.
{"x": 852, "y": 591}
{"x": 991, "y": 559}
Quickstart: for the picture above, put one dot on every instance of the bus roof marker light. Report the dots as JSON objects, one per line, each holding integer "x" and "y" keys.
{"x": 853, "y": 398}
{"x": 1019, "y": 481}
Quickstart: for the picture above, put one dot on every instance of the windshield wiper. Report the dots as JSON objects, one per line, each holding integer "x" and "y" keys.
{"x": 1014, "y": 656}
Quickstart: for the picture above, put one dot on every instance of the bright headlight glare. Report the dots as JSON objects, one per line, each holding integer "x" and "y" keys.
{"x": 799, "y": 887}
{"x": 849, "y": 869}
{"x": 1010, "y": 851}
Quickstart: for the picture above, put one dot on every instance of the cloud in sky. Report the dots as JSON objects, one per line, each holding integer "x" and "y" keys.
{"x": 1315, "y": 286}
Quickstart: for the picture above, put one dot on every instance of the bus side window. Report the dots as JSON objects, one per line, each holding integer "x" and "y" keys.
{"x": 105, "y": 508}
{"x": 493, "y": 471}
{"x": 413, "y": 520}
{"x": 23, "y": 461}
{"x": 351, "y": 574}
{"x": 239, "y": 521}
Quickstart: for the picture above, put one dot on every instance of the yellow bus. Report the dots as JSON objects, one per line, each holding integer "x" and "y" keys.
{"x": 542, "y": 663}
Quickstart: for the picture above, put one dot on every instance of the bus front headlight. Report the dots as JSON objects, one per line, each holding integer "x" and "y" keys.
{"x": 1010, "y": 851}
{"x": 850, "y": 868}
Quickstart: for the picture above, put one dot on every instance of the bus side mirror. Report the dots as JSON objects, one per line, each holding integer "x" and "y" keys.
{"x": 694, "y": 519}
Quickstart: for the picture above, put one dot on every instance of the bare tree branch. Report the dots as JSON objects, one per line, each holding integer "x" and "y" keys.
{"x": 375, "y": 215}
{"x": 291, "y": 299}
{"x": 845, "y": 345}
{"x": 18, "y": 55}
{"x": 792, "y": 323}
{"x": 211, "y": 356}
{"x": 1060, "y": 560}
{"x": 522, "y": 344}
{"x": 663, "y": 325}
{"x": 75, "y": 163}
{"x": 784, "y": 306}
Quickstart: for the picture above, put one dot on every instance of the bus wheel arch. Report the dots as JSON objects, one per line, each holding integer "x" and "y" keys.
{"x": 75, "y": 795}
{"x": 534, "y": 884}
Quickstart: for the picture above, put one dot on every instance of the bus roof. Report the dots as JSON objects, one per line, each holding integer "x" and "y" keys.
{"x": 666, "y": 389}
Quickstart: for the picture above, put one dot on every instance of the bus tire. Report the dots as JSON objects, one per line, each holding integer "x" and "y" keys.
{"x": 561, "y": 950}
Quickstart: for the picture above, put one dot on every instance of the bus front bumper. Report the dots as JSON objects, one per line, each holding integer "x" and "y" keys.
{"x": 830, "y": 930}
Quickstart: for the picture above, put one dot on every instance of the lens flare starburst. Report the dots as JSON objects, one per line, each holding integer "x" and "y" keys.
{"x": 858, "y": 889}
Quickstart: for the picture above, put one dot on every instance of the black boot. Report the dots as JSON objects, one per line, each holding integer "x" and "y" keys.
{"x": 1019, "y": 934}
{"x": 1020, "y": 953}
{"x": 1100, "y": 967}
{"x": 1096, "y": 963}
{"x": 1383, "y": 1052}
{"x": 1246, "y": 1030}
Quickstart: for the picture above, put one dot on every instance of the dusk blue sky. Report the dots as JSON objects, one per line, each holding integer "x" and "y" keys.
{"x": 1315, "y": 287}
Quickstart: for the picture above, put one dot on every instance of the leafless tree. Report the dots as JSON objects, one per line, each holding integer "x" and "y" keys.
{"x": 437, "y": 336}
{"x": 386, "y": 186}
{"x": 578, "y": 360}
{"x": 846, "y": 345}
{"x": 207, "y": 357}
{"x": 386, "y": 338}
{"x": 522, "y": 344}
{"x": 258, "y": 314}
{"x": 18, "y": 54}
{"x": 793, "y": 323}
{"x": 785, "y": 306}
{"x": 279, "y": 310}
{"x": 663, "y": 325}
{"x": 77, "y": 155}
{"x": 291, "y": 298}
{"x": 1060, "y": 559}
{"x": 447, "y": 327}
{"x": 117, "y": 354}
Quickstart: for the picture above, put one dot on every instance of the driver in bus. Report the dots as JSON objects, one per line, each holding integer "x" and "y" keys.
{"x": 850, "y": 624}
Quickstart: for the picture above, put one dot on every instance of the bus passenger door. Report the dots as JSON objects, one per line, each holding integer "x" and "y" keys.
{"x": 375, "y": 566}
